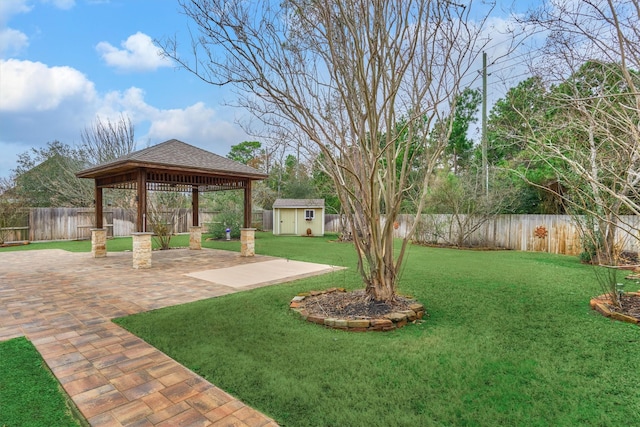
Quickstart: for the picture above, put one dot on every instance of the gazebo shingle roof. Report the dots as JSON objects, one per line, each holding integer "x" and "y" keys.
{"x": 174, "y": 154}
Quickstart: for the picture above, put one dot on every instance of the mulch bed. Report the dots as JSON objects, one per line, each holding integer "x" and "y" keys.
{"x": 463, "y": 248}
{"x": 353, "y": 305}
{"x": 354, "y": 311}
{"x": 629, "y": 310}
{"x": 630, "y": 305}
{"x": 9, "y": 244}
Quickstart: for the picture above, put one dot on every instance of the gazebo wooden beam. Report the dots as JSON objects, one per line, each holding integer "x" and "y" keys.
{"x": 113, "y": 180}
{"x": 99, "y": 212}
{"x": 195, "y": 206}
{"x": 247, "y": 204}
{"x": 141, "y": 223}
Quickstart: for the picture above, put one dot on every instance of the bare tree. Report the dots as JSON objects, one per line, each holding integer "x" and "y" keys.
{"x": 337, "y": 77}
{"x": 164, "y": 211}
{"x": 46, "y": 176}
{"x": 105, "y": 140}
{"x": 591, "y": 134}
{"x": 13, "y": 214}
{"x": 459, "y": 207}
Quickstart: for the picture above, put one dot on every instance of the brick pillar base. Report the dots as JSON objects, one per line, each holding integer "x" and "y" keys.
{"x": 247, "y": 241}
{"x": 195, "y": 238}
{"x": 98, "y": 242}
{"x": 142, "y": 250}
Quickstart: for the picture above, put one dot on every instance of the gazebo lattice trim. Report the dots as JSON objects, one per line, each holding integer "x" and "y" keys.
{"x": 163, "y": 181}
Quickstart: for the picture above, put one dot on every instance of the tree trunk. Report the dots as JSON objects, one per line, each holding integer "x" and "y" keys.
{"x": 380, "y": 290}
{"x": 381, "y": 285}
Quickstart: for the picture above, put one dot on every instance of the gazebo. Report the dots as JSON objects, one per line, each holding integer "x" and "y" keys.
{"x": 170, "y": 166}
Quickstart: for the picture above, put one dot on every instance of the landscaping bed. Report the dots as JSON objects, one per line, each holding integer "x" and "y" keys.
{"x": 629, "y": 310}
{"x": 353, "y": 311}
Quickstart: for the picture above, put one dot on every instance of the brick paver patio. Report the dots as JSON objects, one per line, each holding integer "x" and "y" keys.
{"x": 63, "y": 303}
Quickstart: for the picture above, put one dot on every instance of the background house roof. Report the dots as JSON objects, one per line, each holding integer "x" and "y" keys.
{"x": 298, "y": 203}
{"x": 174, "y": 154}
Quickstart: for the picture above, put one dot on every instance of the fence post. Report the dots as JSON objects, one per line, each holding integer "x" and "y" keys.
{"x": 30, "y": 223}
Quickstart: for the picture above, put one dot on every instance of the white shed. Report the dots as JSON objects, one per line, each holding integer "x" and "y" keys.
{"x": 298, "y": 217}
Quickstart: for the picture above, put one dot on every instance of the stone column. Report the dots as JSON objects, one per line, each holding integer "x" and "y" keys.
{"x": 247, "y": 242}
{"x": 98, "y": 242}
{"x": 195, "y": 238}
{"x": 142, "y": 250}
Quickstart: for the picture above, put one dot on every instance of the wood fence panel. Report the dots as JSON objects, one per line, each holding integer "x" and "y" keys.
{"x": 267, "y": 220}
{"x": 257, "y": 218}
{"x": 332, "y": 223}
{"x": 53, "y": 224}
{"x": 629, "y": 238}
{"x": 534, "y": 233}
{"x": 206, "y": 218}
{"x": 16, "y": 227}
{"x": 124, "y": 222}
{"x": 555, "y": 234}
{"x": 539, "y": 233}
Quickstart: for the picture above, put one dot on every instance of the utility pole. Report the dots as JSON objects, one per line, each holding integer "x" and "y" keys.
{"x": 485, "y": 163}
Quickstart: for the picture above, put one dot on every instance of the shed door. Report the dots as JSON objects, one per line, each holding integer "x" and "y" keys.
{"x": 287, "y": 221}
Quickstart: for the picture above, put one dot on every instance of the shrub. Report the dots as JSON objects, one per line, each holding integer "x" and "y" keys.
{"x": 592, "y": 247}
{"x": 226, "y": 219}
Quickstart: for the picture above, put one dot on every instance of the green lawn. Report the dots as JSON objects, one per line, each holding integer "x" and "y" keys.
{"x": 29, "y": 394}
{"x": 119, "y": 244}
{"x": 510, "y": 340}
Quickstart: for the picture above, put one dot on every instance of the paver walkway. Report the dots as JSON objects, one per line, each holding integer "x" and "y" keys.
{"x": 63, "y": 302}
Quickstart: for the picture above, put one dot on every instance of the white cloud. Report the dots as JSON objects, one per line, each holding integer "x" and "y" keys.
{"x": 138, "y": 54}
{"x": 62, "y": 4}
{"x": 196, "y": 124}
{"x": 12, "y": 42}
{"x": 8, "y": 8}
{"x": 40, "y": 104}
{"x": 33, "y": 86}
{"x": 130, "y": 102}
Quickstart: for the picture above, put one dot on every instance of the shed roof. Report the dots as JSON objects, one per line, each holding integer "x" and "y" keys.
{"x": 298, "y": 203}
{"x": 174, "y": 155}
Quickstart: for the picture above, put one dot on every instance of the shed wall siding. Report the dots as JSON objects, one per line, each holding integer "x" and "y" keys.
{"x": 316, "y": 225}
{"x": 282, "y": 218}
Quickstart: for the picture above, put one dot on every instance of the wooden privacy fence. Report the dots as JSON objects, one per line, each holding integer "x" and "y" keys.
{"x": 541, "y": 233}
{"x": 76, "y": 223}
{"x": 555, "y": 234}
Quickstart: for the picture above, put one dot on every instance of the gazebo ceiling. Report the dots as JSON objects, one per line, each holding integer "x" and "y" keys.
{"x": 173, "y": 166}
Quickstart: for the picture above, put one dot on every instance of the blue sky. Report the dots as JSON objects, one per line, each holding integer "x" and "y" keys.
{"x": 64, "y": 62}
